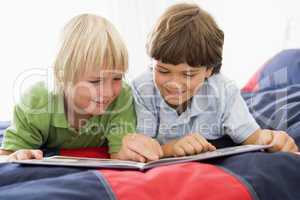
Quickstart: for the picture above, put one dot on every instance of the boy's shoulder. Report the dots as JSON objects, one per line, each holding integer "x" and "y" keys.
{"x": 220, "y": 80}
{"x": 125, "y": 88}
{"x": 145, "y": 92}
{"x": 221, "y": 84}
{"x": 124, "y": 99}
{"x": 144, "y": 84}
{"x": 36, "y": 97}
{"x": 35, "y": 106}
{"x": 125, "y": 94}
{"x": 146, "y": 76}
{"x": 217, "y": 90}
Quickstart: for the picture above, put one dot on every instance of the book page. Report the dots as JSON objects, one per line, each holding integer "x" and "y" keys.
{"x": 212, "y": 154}
{"x": 122, "y": 164}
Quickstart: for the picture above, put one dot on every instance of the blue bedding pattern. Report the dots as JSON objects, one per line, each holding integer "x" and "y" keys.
{"x": 59, "y": 183}
{"x": 267, "y": 176}
{"x": 270, "y": 176}
{"x": 275, "y": 98}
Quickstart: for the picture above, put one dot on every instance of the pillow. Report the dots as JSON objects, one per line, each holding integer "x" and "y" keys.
{"x": 273, "y": 94}
{"x": 3, "y": 126}
{"x": 280, "y": 71}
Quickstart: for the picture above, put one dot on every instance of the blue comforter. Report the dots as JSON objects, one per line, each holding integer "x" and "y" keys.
{"x": 265, "y": 176}
{"x": 274, "y": 94}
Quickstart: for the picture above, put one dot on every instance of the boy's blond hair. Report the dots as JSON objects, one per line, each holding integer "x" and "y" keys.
{"x": 89, "y": 42}
{"x": 187, "y": 34}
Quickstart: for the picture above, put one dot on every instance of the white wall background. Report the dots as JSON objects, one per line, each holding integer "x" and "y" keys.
{"x": 29, "y": 31}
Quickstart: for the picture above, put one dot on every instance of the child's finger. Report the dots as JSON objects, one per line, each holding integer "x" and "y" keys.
{"x": 268, "y": 137}
{"x": 23, "y": 155}
{"x": 136, "y": 157}
{"x": 179, "y": 151}
{"x": 289, "y": 145}
{"x": 195, "y": 143}
{"x": 131, "y": 155}
{"x": 156, "y": 147}
{"x": 204, "y": 143}
{"x": 37, "y": 154}
{"x": 161, "y": 153}
{"x": 148, "y": 153}
{"x": 206, "y": 146}
{"x": 188, "y": 148}
{"x": 211, "y": 147}
{"x": 295, "y": 149}
{"x": 159, "y": 149}
{"x": 277, "y": 143}
{"x": 143, "y": 151}
{"x": 141, "y": 145}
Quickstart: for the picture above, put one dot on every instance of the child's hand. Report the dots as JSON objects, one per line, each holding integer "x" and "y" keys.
{"x": 138, "y": 147}
{"x": 25, "y": 154}
{"x": 280, "y": 141}
{"x": 188, "y": 145}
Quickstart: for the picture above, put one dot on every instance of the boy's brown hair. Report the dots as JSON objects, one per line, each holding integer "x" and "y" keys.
{"x": 187, "y": 34}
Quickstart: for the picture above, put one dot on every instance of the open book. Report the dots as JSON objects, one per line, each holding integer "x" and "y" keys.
{"x": 120, "y": 164}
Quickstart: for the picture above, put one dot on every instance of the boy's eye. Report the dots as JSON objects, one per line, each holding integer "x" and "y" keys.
{"x": 118, "y": 78}
{"x": 163, "y": 71}
{"x": 96, "y": 81}
{"x": 189, "y": 74}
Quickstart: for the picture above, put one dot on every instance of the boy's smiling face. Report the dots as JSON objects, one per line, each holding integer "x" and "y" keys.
{"x": 179, "y": 83}
{"x": 94, "y": 92}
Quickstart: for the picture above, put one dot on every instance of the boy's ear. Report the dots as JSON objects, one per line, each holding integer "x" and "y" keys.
{"x": 208, "y": 72}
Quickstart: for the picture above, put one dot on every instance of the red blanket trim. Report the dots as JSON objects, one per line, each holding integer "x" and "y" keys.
{"x": 180, "y": 181}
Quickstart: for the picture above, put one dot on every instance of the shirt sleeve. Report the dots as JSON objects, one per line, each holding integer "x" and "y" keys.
{"x": 237, "y": 120}
{"x": 147, "y": 117}
{"x": 30, "y": 121}
{"x": 122, "y": 120}
{"x": 21, "y": 134}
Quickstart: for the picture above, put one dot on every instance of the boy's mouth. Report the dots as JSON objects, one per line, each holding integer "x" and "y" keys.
{"x": 102, "y": 103}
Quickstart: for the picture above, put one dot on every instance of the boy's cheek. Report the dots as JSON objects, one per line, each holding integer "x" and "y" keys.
{"x": 159, "y": 79}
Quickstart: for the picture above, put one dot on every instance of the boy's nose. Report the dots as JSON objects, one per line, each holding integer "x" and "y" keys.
{"x": 173, "y": 85}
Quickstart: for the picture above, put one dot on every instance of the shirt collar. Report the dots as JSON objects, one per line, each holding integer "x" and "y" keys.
{"x": 59, "y": 119}
{"x": 203, "y": 101}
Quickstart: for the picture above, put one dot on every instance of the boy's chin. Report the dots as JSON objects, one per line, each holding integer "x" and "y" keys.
{"x": 177, "y": 102}
{"x": 174, "y": 103}
{"x": 97, "y": 111}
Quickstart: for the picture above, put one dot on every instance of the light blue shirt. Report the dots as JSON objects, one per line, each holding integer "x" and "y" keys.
{"x": 216, "y": 110}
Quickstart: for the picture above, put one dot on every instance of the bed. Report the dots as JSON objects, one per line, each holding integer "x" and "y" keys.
{"x": 255, "y": 175}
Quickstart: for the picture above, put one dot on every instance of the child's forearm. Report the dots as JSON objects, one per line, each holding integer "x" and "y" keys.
{"x": 253, "y": 138}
